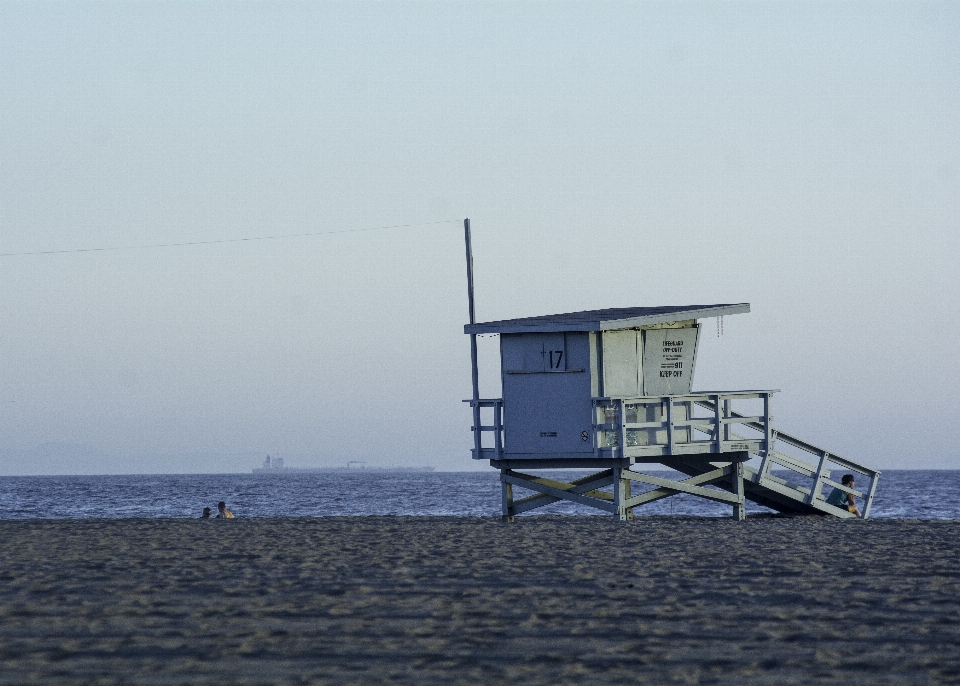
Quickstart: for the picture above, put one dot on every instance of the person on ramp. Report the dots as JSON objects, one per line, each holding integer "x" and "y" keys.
{"x": 842, "y": 499}
{"x": 224, "y": 512}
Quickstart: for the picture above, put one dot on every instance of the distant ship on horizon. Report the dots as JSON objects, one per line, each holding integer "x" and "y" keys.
{"x": 275, "y": 465}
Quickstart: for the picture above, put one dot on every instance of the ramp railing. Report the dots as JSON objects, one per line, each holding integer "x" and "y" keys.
{"x": 816, "y": 474}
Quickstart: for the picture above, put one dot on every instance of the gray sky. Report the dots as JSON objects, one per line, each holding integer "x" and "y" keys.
{"x": 803, "y": 157}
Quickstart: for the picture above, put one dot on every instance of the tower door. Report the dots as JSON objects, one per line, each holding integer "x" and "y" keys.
{"x": 621, "y": 363}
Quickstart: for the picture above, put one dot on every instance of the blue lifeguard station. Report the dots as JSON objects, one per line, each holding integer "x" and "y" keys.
{"x": 611, "y": 390}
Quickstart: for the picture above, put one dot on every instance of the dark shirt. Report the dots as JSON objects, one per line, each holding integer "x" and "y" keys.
{"x": 838, "y": 498}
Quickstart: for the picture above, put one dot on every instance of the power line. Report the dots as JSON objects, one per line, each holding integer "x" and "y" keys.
{"x": 224, "y": 240}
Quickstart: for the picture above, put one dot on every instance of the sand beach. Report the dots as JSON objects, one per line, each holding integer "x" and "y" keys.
{"x": 545, "y": 600}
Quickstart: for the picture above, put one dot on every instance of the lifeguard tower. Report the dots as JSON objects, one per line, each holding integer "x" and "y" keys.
{"x": 611, "y": 390}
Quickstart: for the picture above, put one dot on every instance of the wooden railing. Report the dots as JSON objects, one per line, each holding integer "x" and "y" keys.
{"x": 479, "y": 452}
{"x": 654, "y": 426}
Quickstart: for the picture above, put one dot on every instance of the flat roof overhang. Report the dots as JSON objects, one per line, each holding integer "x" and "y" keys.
{"x": 606, "y": 320}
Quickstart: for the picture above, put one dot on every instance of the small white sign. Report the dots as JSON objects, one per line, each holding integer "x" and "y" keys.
{"x": 668, "y": 357}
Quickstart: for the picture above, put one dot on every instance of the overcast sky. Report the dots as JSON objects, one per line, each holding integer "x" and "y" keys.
{"x": 802, "y": 157}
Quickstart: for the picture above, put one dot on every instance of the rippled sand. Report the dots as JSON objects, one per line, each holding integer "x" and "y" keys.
{"x": 464, "y": 600}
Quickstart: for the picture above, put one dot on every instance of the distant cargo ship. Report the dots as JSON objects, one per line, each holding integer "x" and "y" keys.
{"x": 275, "y": 466}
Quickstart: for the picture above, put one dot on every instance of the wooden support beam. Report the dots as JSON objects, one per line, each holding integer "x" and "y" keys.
{"x": 619, "y": 495}
{"x": 506, "y": 490}
{"x": 661, "y": 493}
{"x": 718, "y": 428}
{"x": 670, "y": 439}
{"x": 679, "y": 486}
{"x": 736, "y": 487}
{"x": 569, "y": 462}
{"x": 818, "y": 478}
{"x": 535, "y": 484}
{"x": 583, "y": 486}
{"x": 622, "y": 415}
{"x": 588, "y": 490}
{"x": 868, "y": 501}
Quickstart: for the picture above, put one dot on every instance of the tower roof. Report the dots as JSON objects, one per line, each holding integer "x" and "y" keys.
{"x": 605, "y": 320}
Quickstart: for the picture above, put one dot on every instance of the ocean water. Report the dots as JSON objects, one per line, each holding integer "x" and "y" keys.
{"x": 903, "y": 494}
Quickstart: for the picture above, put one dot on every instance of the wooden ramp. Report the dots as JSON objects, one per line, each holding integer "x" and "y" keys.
{"x": 785, "y": 490}
{"x": 790, "y": 484}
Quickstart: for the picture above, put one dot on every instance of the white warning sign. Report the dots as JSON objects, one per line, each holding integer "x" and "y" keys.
{"x": 668, "y": 357}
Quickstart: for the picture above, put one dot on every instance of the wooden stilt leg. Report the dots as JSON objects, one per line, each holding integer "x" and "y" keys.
{"x": 619, "y": 495}
{"x": 507, "y": 497}
{"x": 736, "y": 483}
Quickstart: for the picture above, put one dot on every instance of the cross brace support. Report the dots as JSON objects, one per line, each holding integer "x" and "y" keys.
{"x": 620, "y": 503}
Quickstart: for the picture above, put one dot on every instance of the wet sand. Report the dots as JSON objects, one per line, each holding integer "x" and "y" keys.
{"x": 465, "y": 600}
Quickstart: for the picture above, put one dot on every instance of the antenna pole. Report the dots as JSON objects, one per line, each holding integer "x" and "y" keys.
{"x": 473, "y": 342}
{"x": 466, "y": 236}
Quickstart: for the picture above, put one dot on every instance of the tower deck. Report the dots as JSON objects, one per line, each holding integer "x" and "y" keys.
{"x": 697, "y": 434}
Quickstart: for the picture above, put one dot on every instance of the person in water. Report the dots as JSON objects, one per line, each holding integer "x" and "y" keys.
{"x": 842, "y": 499}
{"x": 206, "y": 513}
{"x": 224, "y": 512}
